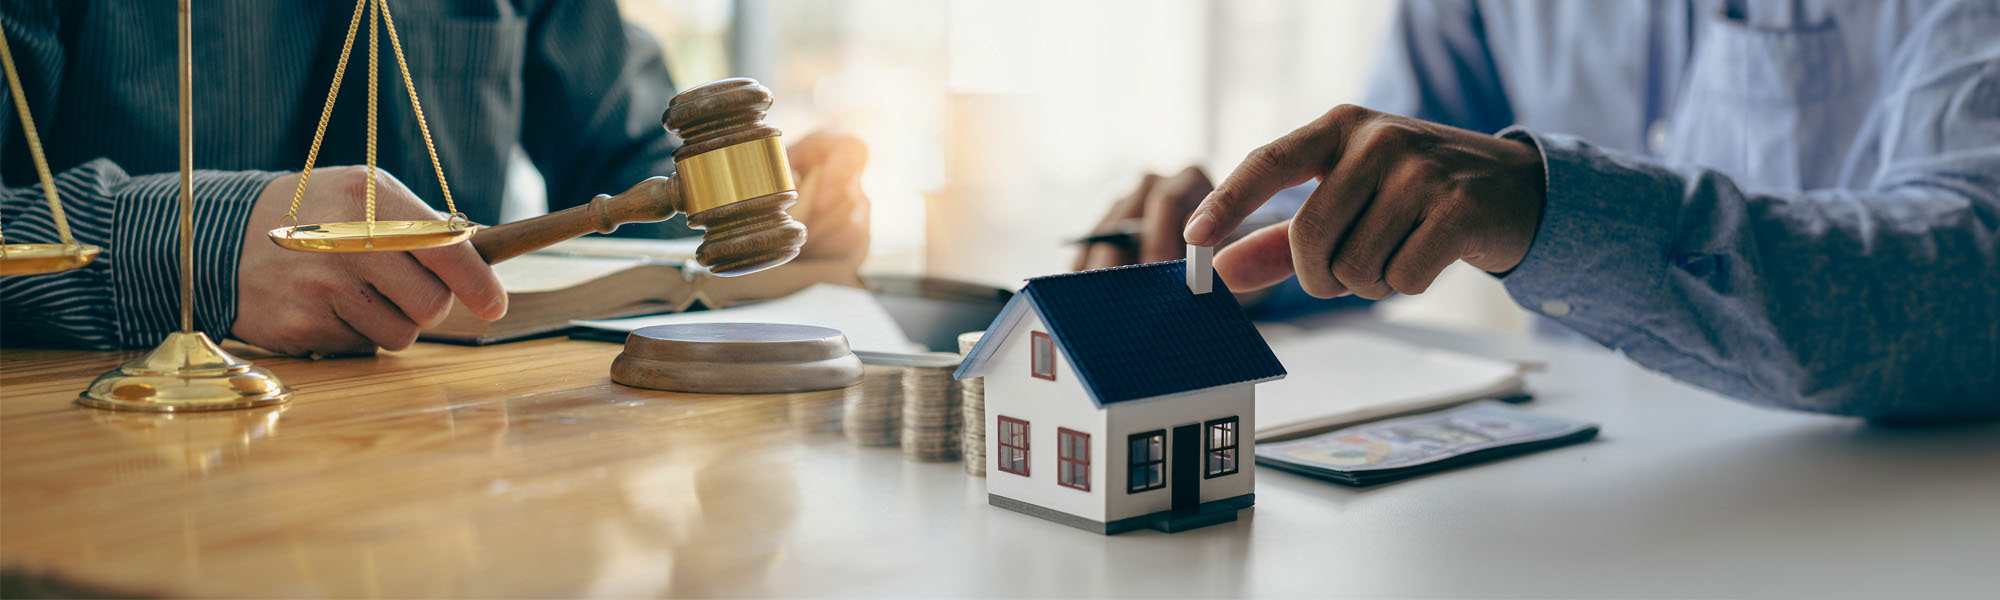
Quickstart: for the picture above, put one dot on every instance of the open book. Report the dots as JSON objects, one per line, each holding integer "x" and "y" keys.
{"x": 854, "y": 312}
{"x": 603, "y": 278}
{"x": 1340, "y": 377}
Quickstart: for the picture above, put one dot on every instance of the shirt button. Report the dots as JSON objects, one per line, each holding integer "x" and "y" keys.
{"x": 1555, "y": 308}
{"x": 1656, "y": 137}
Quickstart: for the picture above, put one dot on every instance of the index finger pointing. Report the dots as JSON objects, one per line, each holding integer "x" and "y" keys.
{"x": 1285, "y": 162}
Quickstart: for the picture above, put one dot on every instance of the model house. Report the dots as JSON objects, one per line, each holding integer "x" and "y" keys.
{"x": 1123, "y": 398}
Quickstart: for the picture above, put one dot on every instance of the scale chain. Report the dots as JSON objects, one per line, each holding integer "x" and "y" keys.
{"x": 380, "y": 19}
{"x": 374, "y": 32}
{"x": 396, "y": 44}
{"x": 34, "y": 148}
{"x": 332, "y": 92}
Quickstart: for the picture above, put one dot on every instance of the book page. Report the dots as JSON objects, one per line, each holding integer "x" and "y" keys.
{"x": 544, "y": 273}
{"x": 853, "y": 311}
{"x": 674, "y": 251}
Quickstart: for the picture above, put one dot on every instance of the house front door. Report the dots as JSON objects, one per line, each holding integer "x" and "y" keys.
{"x": 1185, "y": 465}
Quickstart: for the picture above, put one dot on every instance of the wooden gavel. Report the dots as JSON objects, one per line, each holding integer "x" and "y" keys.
{"x": 732, "y": 180}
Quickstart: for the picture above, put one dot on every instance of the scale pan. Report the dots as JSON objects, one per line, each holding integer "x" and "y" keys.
{"x": 383, "y": 236}
{"x": 36, "y": 259}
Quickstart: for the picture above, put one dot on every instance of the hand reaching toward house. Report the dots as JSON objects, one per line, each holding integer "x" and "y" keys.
{"x": 1399, "y": 200}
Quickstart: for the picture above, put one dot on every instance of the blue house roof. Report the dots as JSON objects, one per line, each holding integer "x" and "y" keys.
{"x": 1137, "y": 332}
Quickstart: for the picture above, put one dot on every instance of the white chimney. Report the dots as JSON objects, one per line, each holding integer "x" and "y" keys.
{"x": 1200, "y": 268}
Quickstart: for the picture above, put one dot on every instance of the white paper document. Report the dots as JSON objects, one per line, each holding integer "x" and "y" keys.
{"x": 1339, "y": 377}
{"x": 673, "y": 251}
{"x": 853, "y": 311}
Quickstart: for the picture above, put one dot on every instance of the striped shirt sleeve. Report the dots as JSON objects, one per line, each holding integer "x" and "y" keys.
{"x": 128, "y": 297}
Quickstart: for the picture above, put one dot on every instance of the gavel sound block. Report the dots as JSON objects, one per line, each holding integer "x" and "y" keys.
{"x": 736, "y": 358}
{"x": 732, "y": 180}
{"x": 734, "y": 183}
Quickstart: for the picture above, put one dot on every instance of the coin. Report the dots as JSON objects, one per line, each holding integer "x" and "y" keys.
{"x": 872, "y": 412}
{"x": 972, "y": 412}
{"x": 931, "y": 421}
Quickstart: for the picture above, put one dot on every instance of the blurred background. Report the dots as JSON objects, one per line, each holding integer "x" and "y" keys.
{"x": 998, "y": 130}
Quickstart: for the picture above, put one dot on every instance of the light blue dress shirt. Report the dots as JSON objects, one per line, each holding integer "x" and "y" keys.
{"x": 1793, "y": 203}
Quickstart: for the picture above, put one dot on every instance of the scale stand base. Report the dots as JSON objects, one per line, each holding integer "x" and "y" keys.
{"x": 186, "y": 373}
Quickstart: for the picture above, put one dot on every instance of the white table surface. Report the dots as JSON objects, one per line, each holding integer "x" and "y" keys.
{"x": 1684, "y": 494}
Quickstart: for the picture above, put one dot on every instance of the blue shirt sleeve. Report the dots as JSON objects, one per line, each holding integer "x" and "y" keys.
{"x": 1435, "y": 65}
{"x": 127, "y": 298}
{"x": 1878, "y": 300}
{"x": 594, "y": 90}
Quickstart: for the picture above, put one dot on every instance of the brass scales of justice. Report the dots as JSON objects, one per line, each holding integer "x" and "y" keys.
{"x": 732, "y": 179}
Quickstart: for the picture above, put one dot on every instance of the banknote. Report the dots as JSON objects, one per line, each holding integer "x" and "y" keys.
{"x": 1400, "y": 447}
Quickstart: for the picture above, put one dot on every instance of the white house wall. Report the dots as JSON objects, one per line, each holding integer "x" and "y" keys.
{"x": 1012, "y": 391}
{"x": 1165, "y": 413}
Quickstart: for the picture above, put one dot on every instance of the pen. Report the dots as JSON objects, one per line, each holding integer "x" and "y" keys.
{"x": 1126, "y": 232}
{"x": 1123, "y": 233}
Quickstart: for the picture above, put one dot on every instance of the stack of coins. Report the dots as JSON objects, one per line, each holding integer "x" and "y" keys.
{"x": 872, "y": 411}
{"x": 819, "y": 412}
{"x": 930, "y": 409}
{"x": 972, "y": 406}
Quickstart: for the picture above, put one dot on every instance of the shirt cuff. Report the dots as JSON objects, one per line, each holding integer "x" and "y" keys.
{"x": 1600, "y": 258}
{"x": 146, "y": 281}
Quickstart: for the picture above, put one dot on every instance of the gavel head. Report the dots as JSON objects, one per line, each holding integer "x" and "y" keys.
{"x": 735, "y": 183}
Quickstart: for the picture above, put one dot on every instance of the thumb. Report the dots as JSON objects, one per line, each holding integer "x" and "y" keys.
{"x": 1259, "y": 260}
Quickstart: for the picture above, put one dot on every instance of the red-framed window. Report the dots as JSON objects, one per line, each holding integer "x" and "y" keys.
{"x": 1219, "y": 448}
{"x": 1042, "y": 356}
{"x": 1072, "y": 459}
{"x": 1013, "y": 438}
{"x": 1147, "y": 462}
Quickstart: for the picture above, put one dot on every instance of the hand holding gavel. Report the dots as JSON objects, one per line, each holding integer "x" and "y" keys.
{"x": 733, "y": 181}
{"x": 353, "y": 303}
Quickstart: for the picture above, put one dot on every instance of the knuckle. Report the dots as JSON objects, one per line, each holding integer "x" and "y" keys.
{"x": 384, "y": 180}
{"x": 1268, "y": 159}
{"x": 400, "y": 337}
{"x": 352, "y": 182}
{"x": 1348, "y": 113}
{"x": 1425, "y": 170}
{"x": 1374, "y": 292}
{"x": 1308, "y": 233}
{"x": 1355, "y": 270}
{"x": 1406, "y": 279}
{"x": 432, "y": 307}
{"x": 1319, "y": 283}
{"x": 1386, "y": 137}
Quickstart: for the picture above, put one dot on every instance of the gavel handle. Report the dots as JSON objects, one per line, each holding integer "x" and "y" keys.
{"x": 652, "y": 200}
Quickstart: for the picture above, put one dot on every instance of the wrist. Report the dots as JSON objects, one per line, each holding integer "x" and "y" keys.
{"x": 1528, "y": 168}
{"x": 147, "y": 240}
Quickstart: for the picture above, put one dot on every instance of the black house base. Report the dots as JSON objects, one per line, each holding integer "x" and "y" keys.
{"x": 1167, "y": 521}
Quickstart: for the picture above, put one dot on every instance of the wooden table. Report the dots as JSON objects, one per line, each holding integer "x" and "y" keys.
{"x": 521, "y": 471}
{"x": 514, "y": 470}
